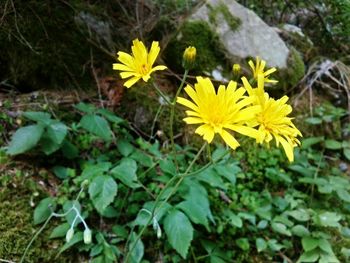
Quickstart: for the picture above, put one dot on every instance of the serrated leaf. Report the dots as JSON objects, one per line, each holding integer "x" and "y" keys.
{"x": 43, "y": 211}
{"x": 110, "y": 116}
{"x": 25, "y": 139}
{"x": 261, "y": 244}
{"x": 87, "y": 108}
{"x": 332, "y": 144}
{"x": 93, "y": 170}
{"x": 280, "y": 228}
{"x": 38, "y": 116}
{"x": 102, "y": 191}
{"x": 309, "y": 243}
{"x": 211, "y": 177}
{"x": 57, "y": 132}
{"x": 195, "y": 211}
{"x": 228, "y": 171}
{"x": 179, "y": 231}
{"x": 167, "y": 166}
{"x": 126, "y": 172}
{"x": 60, "y": 230}
{"x": 125, "y": 147}
{"x": 309, "y": 256}
{"x": 300, "y": 231}
{"x": 97, "y": 125}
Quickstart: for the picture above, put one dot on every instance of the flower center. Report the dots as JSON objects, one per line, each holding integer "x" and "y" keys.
{"x": 144, "y": 69}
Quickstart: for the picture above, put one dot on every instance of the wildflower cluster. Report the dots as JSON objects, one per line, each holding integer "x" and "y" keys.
{"x": 245, "y": 109}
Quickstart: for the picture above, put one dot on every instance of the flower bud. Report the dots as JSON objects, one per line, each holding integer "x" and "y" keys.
{"x": 236, "y": 69}
{"x": 87, "y": 236}
{"x": 189, "y": 57}
{"x": 69, "y": 234}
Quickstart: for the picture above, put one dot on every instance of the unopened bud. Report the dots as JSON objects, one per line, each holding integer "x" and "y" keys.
{"x": 85, "y": 183}
{"x": 189, "y": 57}
{"x": 236, "y": 69}
{"x": 87, "y": 236}
{"x": 69, "y": 234}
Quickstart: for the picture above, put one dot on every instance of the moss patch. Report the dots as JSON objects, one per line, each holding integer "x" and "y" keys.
{"x": 222, "y": 9}
{"x": 16, "y": 218}
{"x": 198, "y": 34}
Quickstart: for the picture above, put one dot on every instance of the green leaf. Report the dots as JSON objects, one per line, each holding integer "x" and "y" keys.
{"x": 97, "y": 125}
{"x": 125, "y": 147}
{"x": 300, "y": 231}
{"x": 195, "y": 211}
{"x": 313, "y": 120}
{"x": 211, "y": 177}
{"x": 60, "y": 230}
{"x": 325, "y": 246}
{"x": 308, "y": 142}
{"x": 48, "y": 146}
{"x": 138, "y": 251}
{"x": 343, "y": 195}
{"x": 309, "y": 256}
{"x": 327, "y": 219}
{"x": 102, "y": 191}
{"x": 75, "y": 239}
{"x": 309, "y": 243}
{"x": 301, "y": 215}
{"x": 63, "y": 172}
{"x": 143, "y": 216}
{"x": 25, "y": 139}
{"x": 142, "y": 158}
{"x": 126, "y": 172}
{"x": 87, "y": 108}
{"x": 110, "y": 116}
{"x": 235, "y": 220}
{"x": 179, "y": 231}
{"x": 38, "y": 116}
{"x": 167, "y": 166}
{"x": 57, "y": 132}
{"x": 346, "y": 152}
{"x": 43, "y": 211}
{"x": 261, "y": 244}
{"x": 93, "y": 170}
{"x": 69, "y": 150}
{"x": 67, "y": 206}
{"x": 228, "y": 171}
{"x": 332, "y": 144}
{"x": 280, "y": 228}
{"x": 243, "y": 243}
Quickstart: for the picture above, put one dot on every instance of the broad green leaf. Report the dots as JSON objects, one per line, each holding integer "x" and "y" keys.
{"x": 43, "y": 211}
{"x": 70, "y": 216}
{"x": 126, "y": 172}
{"x": 92, "y": 170}
{"x": 211, "y": 177}
{"x": 344, "y": 195}
{"x": 309, "y": 256}
{"x": 346, "y": 152}
{"x": 250, "y": 217}
{"x": 102, "y": 191}
{"x": 63, "y": 172}
{"x": 87, "y": 108}
{"x": 138, "y": 251}
{"x": 110, "y": 116}
{"x": 327, "y": 219}
{"x": 38, "y": 116}
{"x": 142, "y": 158}
{"x": 235, "y": 220}
{"x": 274, "y": 245}
{"x": 97, "y": 125}
{"x": 25, "y": 139}
{"x": 332, "y": 144}
{"x": 179, "y": 231}
{"x": 228, "y": 171}
{"x": 48, "y": 146}
{"x": 243, "y": 243}
{"x": 57, "y": 132}
{"x": 306, "y": 143}
{"x": 300, "y": 231}
{"x": 60, "y": 230}
{"x": 327, "y": 258}
{"x": 69, "y": 150}
{"x": 262, "y": 224}
{"x": 125, "y": 147}
{"x": 261, "y": 244}
{"x": 167, "y": 166}
{"x": 313, "y": 120}
{"x": 280, "y": 228}
{"x": 195, "y": 211}
{"x": 301, "y": 215}
{"x": 309, "y": 243}
{"x": 325, "y": 246}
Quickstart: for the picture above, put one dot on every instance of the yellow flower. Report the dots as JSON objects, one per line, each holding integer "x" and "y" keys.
{"x": 258, "y": 69}
{"x": 273, "y": 120}
{"x": 236, "y": 69}
{"x": 189, "y": 57}
{"x": 139, "y": 64}
{"x": 228, "y": 109}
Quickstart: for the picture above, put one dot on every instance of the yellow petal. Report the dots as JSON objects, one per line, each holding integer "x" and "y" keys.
{"x": 126, "y": 59}
{"x": 229, "y": 139}
{"x": 160, "y": 67}
{"x": 122, "y": 67}
{"x": 125, "y": 75}
{"x": 288, "y": 148}
{"x": 153, "y": 53}
{"x": 192, "y": 120}
{"x": 192, "y": 93}
{"x": 206, "y": 131}
{"x": 131, "y": 82}
{"x": 247, "y": 131}
{"x": 187, "y": 103}
{"x": 269, "y": 71}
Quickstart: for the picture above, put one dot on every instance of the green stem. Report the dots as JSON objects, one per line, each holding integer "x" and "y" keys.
{"x": 172, "y": 114}
{"x": 182, "y": 176}
{"x": 160, "y": 93}
{"x": 35, "y": 237}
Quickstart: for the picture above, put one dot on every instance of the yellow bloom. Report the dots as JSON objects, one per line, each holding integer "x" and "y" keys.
{"x": 236, "y": 69}
{"x": 219, "y": 112}
{"x": 258, "y": 69}
{"x": 139, "y": 64}
{"x": 273, "y": 120}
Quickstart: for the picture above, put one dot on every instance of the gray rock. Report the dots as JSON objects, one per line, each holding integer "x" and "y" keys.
{"x": 252, "y": 37}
